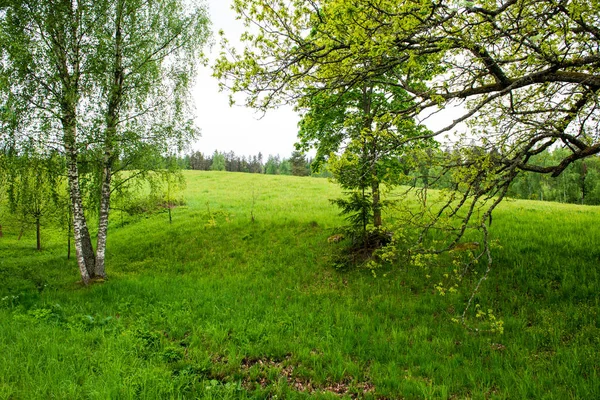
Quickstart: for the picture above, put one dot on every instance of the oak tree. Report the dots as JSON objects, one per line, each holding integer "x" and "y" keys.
{"x": 525, "y": 72}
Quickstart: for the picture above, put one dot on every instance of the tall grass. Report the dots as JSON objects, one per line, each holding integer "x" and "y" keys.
{"x": 238, "y": 299}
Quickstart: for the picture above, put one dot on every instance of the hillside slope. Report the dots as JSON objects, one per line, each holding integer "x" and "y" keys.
{"x": 217, "y": 305}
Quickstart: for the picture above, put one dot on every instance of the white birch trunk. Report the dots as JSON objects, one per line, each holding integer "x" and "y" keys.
{"x": 65, "y": 48}
{"x": 83, "y": 242}
{"x": 79, "y": 223}
{"x": 112, "y": 119}
{"x": 103, "y": 220}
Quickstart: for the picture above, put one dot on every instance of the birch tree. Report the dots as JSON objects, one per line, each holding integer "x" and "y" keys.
{"x": 44, "y": 58}
{"x": 148, "y": 55}
{"x": 98, "y": 77}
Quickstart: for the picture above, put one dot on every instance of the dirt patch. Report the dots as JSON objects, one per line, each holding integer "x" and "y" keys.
{"x": 262, "y": 372}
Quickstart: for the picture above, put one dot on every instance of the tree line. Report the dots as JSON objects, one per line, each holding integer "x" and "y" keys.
{"x": 579, "y": 183}
{"x": 297, "y": 164}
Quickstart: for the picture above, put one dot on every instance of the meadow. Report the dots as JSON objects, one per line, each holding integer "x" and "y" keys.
{"x": 238, "y": 298}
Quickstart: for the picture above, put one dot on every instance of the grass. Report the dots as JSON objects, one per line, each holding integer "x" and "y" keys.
{"x": 217, "y": 306}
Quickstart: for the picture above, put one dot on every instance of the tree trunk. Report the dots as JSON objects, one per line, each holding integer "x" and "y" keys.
{"x": 376, "y": 204}
{"x": 112, "y": 120}
{"x": 83, "y": 243}
{"x": 103, "y": 221}
{"x": 365, "y": 215}
{"x": 583, "y": 176}
{"x": 69, "y": 233}
{"x": 37, "y": 234}
{"x": 66, "y": 49}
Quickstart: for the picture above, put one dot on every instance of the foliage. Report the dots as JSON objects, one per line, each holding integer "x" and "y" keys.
{"x": 275, "y": 165}
{"x": 142, "y": 193}
{"x": 578, "y": 183}
{"x": 362, "y": 152}
{"x": 528, "y": 85}
{"x": 300, "y": 167}
{"x": 173, "y": 183}
{"x": 98, "y": 81}
{"x": 272, "y": 165}
{"x": 218, "y": 162}
{"x": 285, "y": 168}
{"x": 494, "y": 55}
{"x": 34, "y": 185}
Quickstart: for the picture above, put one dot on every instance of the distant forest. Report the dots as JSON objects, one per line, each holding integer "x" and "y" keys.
{"x": 578, "y": 184}
{"x": 297, "y": 164}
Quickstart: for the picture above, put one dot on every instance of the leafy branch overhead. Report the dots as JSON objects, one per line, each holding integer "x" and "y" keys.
{"x": 522, "y": 75}
{"x": 528, "y": 69}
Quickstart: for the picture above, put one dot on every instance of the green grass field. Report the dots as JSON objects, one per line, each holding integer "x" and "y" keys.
{"x": 217, "y": 306}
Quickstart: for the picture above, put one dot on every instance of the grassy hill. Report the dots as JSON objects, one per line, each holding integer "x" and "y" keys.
{"x": 217, "y": 305}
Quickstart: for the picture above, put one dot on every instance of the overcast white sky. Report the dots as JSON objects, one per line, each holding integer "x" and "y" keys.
{"x": 237, "y": 128}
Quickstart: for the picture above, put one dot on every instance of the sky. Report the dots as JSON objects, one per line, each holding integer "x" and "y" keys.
{"x": 237, "y": 129}
{"x": 243, "y": 130}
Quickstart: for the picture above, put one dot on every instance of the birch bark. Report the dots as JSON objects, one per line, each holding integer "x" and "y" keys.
{"x": 112, "y": 120}
{"x": 65, "y": 35}
{"x": 83, "y": 244}
{"x": 100, "y": 269}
